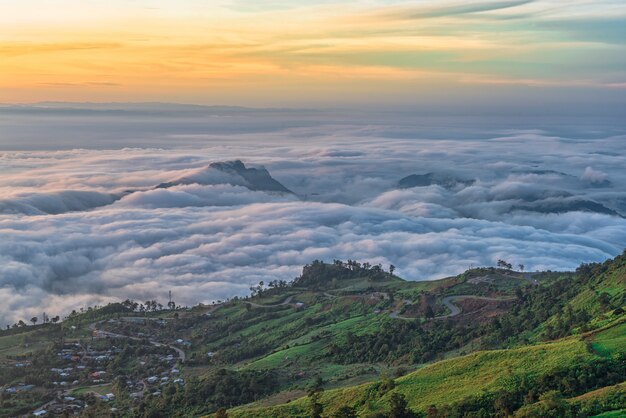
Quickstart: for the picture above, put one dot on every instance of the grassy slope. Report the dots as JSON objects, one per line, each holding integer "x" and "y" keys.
{"x": 488, "y": 371}
{"x": 445, "y": 381}
{"x": 610, "y": 341}
{"x": 612, "y": 282}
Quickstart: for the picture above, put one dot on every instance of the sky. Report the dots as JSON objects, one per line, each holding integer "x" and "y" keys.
{"x": 551, "y": 54}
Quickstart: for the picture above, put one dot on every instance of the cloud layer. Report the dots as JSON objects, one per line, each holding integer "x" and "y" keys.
{"x": 72, "y": 233}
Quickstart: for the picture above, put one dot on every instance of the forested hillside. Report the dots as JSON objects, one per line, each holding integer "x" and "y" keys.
{"x": 343, "y": 339}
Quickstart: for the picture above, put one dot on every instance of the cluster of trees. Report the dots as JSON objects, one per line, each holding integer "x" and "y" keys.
{"x": 148, "y": 306}
{"x": 402, "y": 340}
{"x": 45, "y": 320}
{"x": 319, "y": 274}
{"x": 260, "y": 288}
{"x": 508, "y": 266}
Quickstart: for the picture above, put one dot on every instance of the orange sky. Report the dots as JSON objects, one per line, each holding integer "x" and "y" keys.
{"x": 239, "y": 52}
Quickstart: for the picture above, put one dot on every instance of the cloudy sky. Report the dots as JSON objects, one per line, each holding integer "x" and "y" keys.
{"x": 525, "y": 53}
{"x": 81, "y": 222}
{"x": 512, "y": 111}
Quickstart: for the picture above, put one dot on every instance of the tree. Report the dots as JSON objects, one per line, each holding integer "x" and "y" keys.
{"x": 316, "y": 407}
{"x": 504, "y": 404}
{"x": 392, "y": 268}
{"x": 521, "y": 267}
{"x": 55, "y": 319}
{"x": 317, "y": 385}
{"x": 503, "y": 264}
{"x": 345, "y": 412}
{"x": 33, "y": 320}
{"x": 221, "y": 413}
{"x": 432, "y": 411}
{"x": 429, "y": 312}
{"x": 398, "y": 406}
{"x": 386, "y": 384}
{"x": 604, "y": 300}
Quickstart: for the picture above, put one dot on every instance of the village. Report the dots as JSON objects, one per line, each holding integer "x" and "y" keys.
{"x": 98, "y": 368}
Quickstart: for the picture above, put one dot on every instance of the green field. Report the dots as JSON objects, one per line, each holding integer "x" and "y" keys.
{"x": 445, "y": 381}
{"x": 610, "y": 341}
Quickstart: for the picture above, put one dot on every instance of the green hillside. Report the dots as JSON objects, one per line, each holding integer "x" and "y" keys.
{"x": 481, "y": 374}
{"x": 344, "y": 338}
{"x": 482, "y": 377}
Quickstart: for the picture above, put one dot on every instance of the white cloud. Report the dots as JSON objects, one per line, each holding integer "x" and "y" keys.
{"x": 210, "y": 241}
{"x": 594, "y": 176}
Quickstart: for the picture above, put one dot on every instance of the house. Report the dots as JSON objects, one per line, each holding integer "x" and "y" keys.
{"x": 40, "y": 413}
{"x": 152, "y": 379}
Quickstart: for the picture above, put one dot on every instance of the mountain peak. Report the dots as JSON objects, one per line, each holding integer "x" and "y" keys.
{"x": 232, "y": 172}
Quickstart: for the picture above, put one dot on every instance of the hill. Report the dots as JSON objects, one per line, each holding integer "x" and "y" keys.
{"x": 344, "y": 336}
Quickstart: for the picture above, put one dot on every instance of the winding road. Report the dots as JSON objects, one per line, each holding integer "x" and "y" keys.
{"x": 454, "y": 309}
{"x": 284, "y": 302}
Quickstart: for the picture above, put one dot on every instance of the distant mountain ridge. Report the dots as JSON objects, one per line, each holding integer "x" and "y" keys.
{"x": 430, "y": 179}
{"x": 234, "y": 173}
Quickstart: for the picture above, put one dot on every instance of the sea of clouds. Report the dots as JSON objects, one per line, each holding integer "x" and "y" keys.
{"x": 81, "y": 222}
